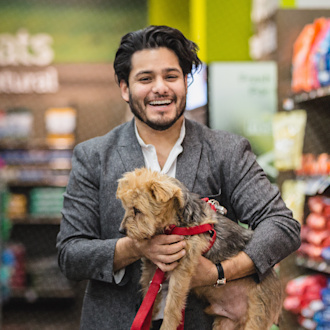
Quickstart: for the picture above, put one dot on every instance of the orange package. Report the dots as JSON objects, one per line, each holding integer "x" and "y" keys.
{"x": 301, "y": 59}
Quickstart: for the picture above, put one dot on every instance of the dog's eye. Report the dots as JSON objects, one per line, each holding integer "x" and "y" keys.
{"x": 136, "y": 211}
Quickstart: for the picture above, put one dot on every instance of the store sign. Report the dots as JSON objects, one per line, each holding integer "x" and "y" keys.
{"x": 26, "y": 50}
{"x": 41, "y": 82}
{"x": 243, "y": 100}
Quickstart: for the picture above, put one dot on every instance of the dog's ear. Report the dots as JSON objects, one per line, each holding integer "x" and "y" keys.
{"x": 164, "y": 192}
{"x": 122, "y": 187}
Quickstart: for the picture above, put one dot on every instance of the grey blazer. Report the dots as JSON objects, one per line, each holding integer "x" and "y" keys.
{"x": 213, "y": 164}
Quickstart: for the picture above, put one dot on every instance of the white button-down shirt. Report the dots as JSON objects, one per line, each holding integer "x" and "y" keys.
{"x": 150, "y": 155}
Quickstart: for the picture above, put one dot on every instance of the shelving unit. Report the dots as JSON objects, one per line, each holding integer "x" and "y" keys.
{"x": 311, "y": 95}
{"x": 317, "y": 134}
{"x": 36, "y": 179}
{"x": 92, "y": 91}
{"x": 319, "y": 266}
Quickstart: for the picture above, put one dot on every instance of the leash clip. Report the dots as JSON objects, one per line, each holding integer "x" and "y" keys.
{"x": 160, "y": 286}
{"x": 219, "y": 208}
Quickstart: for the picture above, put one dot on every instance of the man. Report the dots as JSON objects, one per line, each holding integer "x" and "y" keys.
{"x": 151, "y": 67}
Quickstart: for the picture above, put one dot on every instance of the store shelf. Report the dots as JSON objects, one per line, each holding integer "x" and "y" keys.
{"x": 311, "y": 95}
{"x": 56, "y": 182}
{"x": 36, "y": 220}
{"x": 320, "y": 266}
{"x": 35, "y": 177}
{"x": 23, "y": 144}
{"x": 315, "y": 184}
{"x": 44, "y": 281}
{"x": 32, "y": 295}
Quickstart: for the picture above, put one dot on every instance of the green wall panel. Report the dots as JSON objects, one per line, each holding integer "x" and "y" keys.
{"x": 229, "y": 28}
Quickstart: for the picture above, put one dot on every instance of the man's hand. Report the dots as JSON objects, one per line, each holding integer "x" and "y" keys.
{"x": 164, "y": 251}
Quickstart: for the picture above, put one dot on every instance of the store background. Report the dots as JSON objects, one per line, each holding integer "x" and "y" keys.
{"x": 57, "y": 89}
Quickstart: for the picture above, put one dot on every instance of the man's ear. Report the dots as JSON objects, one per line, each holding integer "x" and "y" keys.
{"x": 186, "y": 82}
{"x": 124, "y": 90}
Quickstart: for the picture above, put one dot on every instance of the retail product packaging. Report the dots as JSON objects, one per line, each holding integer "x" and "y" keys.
{"x": 310, "y": 66}
{"x": 312, "y": 165}
{"x": 293, "y": 194}
{"x": 60, "y": 126}
{"x": 288, "y": 133}
{"x": 17, "y": 206}
{"x": 46, "y": 202}
{"x": 18, "y": 275}
{"x": 15, "y": 124}
{"x": 301, "y": 291}
{"x": 315, "y": 233}
{"x": 6, "y": 269}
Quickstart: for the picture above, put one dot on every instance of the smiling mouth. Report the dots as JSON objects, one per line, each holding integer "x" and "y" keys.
{"x": 160, "y": 102}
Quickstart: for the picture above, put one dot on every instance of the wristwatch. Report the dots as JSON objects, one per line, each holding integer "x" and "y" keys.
{"x": 221, "y": 276}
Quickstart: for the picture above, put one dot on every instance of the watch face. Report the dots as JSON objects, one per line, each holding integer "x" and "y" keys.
{"x": 220, "y": 281}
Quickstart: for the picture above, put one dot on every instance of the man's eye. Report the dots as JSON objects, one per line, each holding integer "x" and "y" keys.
{"x": 144, "y": 79}
{"x": 136, "y": 211}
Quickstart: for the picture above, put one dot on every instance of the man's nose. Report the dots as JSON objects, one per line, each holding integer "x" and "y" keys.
{"x": 160, "y": 86}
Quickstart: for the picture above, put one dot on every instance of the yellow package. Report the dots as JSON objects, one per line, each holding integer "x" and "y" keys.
{"x": 293, "y": 194}
{"x": 288, "y": 133}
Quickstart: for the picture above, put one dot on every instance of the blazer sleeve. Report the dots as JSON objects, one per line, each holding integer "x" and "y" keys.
{"x": 81, "y": 253}
{"x": 258, "y": 203}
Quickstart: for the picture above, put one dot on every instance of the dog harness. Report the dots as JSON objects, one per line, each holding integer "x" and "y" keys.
{"x": 143, "y": 317}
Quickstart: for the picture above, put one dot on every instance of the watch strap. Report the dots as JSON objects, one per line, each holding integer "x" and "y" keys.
{"x": 221, "y": 275}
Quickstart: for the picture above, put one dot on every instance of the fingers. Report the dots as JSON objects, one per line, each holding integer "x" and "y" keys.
{"x": 168, "y": 249}
{"x": 167, "y": 267}
{"x": 167, "y": 239}
{"x": 163, "y": 250}
{"x": 170, "y": 258}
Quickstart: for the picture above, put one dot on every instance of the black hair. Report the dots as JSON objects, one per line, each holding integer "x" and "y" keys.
{"x": 155, "y": 36}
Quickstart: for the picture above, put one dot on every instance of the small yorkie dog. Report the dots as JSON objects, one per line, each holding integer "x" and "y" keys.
{"x": 155, "y": 201}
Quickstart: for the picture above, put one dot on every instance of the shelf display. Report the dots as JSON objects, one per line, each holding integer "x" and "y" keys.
{"x": 302, "y": 67}
{"x": 35, "y": 178}
{"x": 60, "y": 126}
{"x": 308, "y": 298}
{"x": 315, "y": 233}
{"x": 310, "y": 60}
{"x": 15, "y": 124}
{"x": 6, "y": 259}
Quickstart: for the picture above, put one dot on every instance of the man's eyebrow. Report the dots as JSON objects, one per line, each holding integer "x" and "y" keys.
{"x": 172, "y": 69}
{"x": 150, "y": 71}
{"x": 143, "y": 72}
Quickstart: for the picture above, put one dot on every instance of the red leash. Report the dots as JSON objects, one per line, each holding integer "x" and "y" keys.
{"x": 143, "y": 317}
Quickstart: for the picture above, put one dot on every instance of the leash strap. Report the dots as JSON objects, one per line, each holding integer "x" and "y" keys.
{"x": 189, "y": 231}
{"x": 143, "y": 317}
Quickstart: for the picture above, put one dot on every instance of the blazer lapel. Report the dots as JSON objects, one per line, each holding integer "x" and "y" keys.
{"x": 129, "y": 149}
{"x": 188, "y": 160}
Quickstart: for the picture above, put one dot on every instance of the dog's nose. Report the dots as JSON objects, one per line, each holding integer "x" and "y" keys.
{"x": 122, "y": 230}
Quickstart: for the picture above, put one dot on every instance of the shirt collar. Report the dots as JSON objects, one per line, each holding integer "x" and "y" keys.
{"x": 177, "y": 143}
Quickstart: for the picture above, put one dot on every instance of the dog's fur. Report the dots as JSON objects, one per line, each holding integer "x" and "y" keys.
{"x": 152, "y": 202}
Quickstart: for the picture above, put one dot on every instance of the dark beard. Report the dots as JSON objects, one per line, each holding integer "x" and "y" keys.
{"x": 156, "y": 126}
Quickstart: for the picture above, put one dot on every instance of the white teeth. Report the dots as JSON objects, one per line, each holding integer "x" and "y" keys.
{"x": 162, "y": 102}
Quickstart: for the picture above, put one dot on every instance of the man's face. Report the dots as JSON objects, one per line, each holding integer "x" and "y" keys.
{"x": 157, "y": 88}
